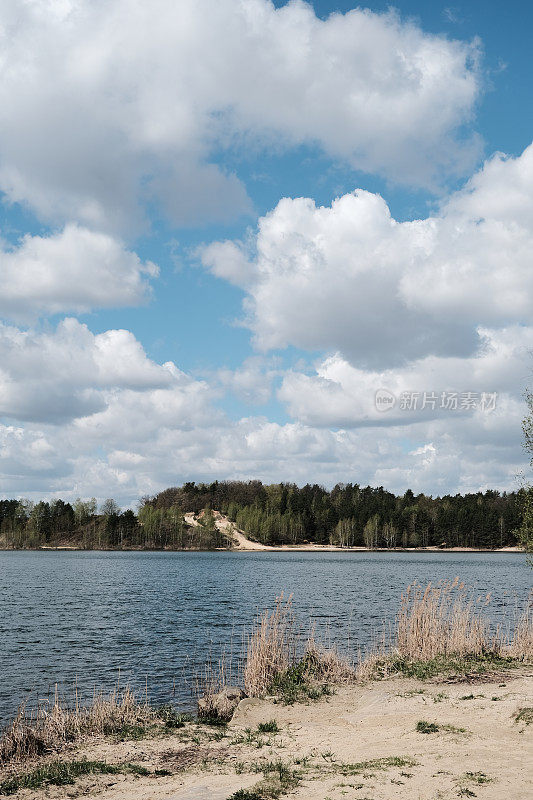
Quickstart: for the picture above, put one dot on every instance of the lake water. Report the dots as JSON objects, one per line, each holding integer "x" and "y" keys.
{"x": 82, "y": 617}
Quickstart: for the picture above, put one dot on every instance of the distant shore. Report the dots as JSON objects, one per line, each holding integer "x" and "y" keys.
{"x": 239, "y": 541}
{"x": 259, "y": 548}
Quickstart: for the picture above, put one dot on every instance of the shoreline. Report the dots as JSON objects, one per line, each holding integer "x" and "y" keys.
{"x": 259, "y": 548}
{"x": 239, "y": 541}
{"x": 390, "y": 738}
{"x": 441, "y": 708}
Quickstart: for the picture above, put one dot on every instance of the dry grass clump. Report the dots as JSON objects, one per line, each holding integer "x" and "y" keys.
{"x": 272, "y": 648}
{"x": 279, "y": 660}
{"x": 327, "y": 665}
{"x": 444, "y": 627}
{"x": 375, "y": 659}
{"x": 50, "y": 728}
{"x": 521, "y": 641}
{"x": 441, "y": 620}
{"x": 208, "y": 687}
{"x": 446, "y": 620}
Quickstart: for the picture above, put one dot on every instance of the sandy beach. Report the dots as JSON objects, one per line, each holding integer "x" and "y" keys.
{"x": 361, "y": 743}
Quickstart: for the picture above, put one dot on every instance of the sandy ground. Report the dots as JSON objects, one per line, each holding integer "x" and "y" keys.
{"x": 327, "y": 741}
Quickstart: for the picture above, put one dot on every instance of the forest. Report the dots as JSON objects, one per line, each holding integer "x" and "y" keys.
{"x": 350, "y": 515}
{"x": 83, "y": 526}
{"x": 347, "y": 515}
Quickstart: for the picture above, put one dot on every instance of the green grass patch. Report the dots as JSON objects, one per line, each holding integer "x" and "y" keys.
{"x": 251, "y": 738}
{"x": 166, "y": 714}
{"x": 213, "y": 722}
{"x": 279, "y": 779}
{"x": 476, "y": 777}
{"x": 126, "y": 731}
{"x": 295, "y": 684}
{"x": 427, "y": 727}
{"x": 172, "y": 718}
{"x": 376, "y": 764}
{"x": 268, "y": 727}
{"x": 445, "y": 665}
{"x": 254, "y": 738}
{"x": 431, "y": 727}
{"x": 524, "y": 715}
{"x": 64, "y": 773}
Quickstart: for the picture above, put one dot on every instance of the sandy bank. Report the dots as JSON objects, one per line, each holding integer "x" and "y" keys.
{"x": 362, "y": 742}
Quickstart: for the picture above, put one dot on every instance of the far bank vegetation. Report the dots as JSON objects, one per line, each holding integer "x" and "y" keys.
{"x": 347, "y": 516}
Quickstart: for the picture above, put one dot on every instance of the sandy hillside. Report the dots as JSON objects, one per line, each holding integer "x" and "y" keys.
{"x": 359, "y": 744}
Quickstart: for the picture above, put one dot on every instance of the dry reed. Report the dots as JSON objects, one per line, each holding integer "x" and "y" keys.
{"x": 444, "y": 619}
{"x": 49, "y": 728}
{"x": 272, "y": 648}
{"x": 521, "y": 642}
{"x": 327, "y": 665}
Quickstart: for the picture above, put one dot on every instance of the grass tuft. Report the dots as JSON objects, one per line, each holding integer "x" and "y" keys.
{"x": 427, "y": 727}
{"x": 50, "y": 728}
{"x": 431, "y": 727}
{"x": 524, "y": 715}
{"x": 477, "y": 777}
{"x": 444, "y": 629}
{"x": 271, "y": 648}
{"x": 376, "y": 764}
{"x": 268, "y": 727}
{"x": 279, "y": 779}
{"x": 64, "y": 773}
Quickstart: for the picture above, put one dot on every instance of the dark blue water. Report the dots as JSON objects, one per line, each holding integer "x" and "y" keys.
{"x": 81, "y": 617}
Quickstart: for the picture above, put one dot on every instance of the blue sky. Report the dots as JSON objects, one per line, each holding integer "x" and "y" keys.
{"x": 280, "y": 320}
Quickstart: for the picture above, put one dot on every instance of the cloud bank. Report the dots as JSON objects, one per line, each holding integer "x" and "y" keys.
{"x": 351, "y": 279}
{"x": 105, "y": 107}
{"x": 117, "y": 115}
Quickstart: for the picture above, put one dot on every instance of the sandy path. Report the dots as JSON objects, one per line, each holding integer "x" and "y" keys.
{"x": 242, "y": 542}
{"x": 492, "y": 759}
{"x": 227, "y": 526}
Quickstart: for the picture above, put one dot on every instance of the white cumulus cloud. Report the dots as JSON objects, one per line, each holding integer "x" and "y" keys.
{"x": 75, "y": 269}
{"x": 342, "y": 395}
{"x": 70, "y": 372}
{"x": 107, "y": 106}
{"x": 352, "y": 279}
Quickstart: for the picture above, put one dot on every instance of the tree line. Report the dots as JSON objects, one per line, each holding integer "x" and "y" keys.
{"x": 347, "y": 515}
{"x": 351, "y": 515}
{"x": 24, "y": 524}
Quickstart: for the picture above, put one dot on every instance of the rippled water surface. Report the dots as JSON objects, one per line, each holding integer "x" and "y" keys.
{"x": 71, "y": 617}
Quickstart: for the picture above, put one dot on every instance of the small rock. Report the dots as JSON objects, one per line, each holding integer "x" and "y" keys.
{"x": 221, "y": 705}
